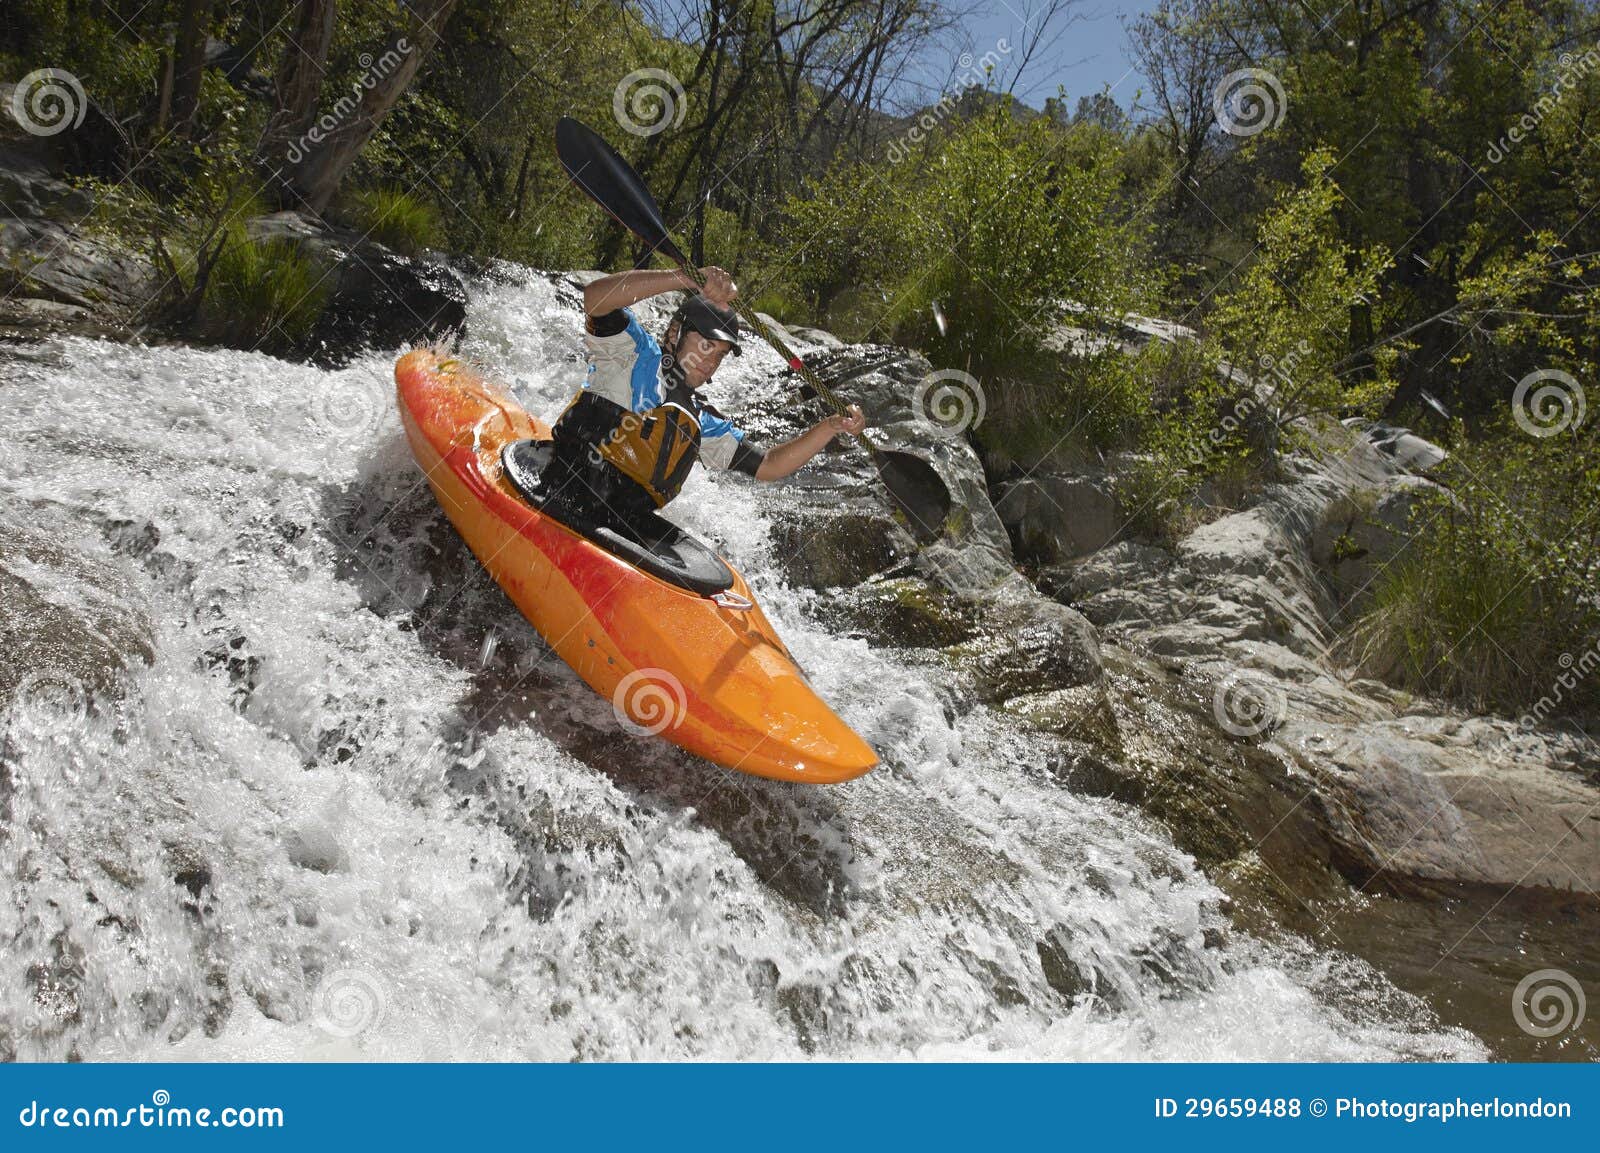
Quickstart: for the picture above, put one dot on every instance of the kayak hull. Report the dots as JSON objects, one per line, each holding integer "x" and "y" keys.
{"x": 713, "y": 679}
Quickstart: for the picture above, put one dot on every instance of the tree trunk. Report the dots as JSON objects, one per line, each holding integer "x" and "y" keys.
{"x": 357, "y": 114}
{"x": 189, "y": 61}
{"x": 298, "y": 84}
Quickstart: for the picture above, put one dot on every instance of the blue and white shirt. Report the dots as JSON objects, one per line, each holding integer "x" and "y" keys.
{"x": 625, "y": 368}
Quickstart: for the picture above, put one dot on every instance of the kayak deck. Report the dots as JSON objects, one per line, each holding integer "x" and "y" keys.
{"x": 709, "y": 675}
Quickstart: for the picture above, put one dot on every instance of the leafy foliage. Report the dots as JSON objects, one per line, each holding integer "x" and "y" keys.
{"x": 394, "y": 217}
{"x": 1496, "y": 598}
{"x": 268, "y": 290}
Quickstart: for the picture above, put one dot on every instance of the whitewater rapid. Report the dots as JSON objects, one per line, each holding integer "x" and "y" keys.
{"x": 354, "y": 809}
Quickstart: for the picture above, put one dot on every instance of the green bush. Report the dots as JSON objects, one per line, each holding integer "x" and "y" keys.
{"x": 395, "y": 218}
{"x": 1270, "y": 356}
{"x": 844, "y": 233}
{"x": 1495, "y": 598}
{"x": 269, "y": 291}
{"x": 1011, "y": 228}
{"x": 1067, "y": 409}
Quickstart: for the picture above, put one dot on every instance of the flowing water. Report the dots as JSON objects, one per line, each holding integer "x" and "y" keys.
{"x": 356, "y": 809}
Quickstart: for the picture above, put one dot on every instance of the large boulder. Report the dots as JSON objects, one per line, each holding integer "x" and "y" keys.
{"x": 1026, "y": 644}
{"x": 55, "y": 276}
{"x": 829, "y": 546}
{"x": 378, "y": 298}
{"x": 1404, "y": 448}
{"x": 71, "y": 627}
{"x": 973, "y": 553}
{"x": 1054, "y": 518}
{"x": 902, "y": 611}
{"x": 1442, "y": 798}
{"x": 67, "y": 616}
{"x": 1389, "y": 791}
{"x": 29, "y": 190}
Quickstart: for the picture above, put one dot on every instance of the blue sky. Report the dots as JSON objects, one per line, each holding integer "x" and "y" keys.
{"x": 1085, "y": 50}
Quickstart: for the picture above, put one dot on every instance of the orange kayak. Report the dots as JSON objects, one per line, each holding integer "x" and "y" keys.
{"x": 706, "y": 672}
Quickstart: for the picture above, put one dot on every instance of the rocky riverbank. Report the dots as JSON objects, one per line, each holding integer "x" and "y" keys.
{"x": 1198, "y": 682}
{"x": 65, "y": 269}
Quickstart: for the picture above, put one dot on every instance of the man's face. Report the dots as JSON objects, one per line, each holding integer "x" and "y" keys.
{"x": 700, "y": 357}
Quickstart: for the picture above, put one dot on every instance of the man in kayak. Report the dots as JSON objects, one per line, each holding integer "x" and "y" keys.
{"x": 625, "y": 444}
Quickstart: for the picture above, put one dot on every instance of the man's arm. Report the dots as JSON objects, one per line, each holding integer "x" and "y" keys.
{"x": 621, "y": 289}
{"x": 790, "y": 456}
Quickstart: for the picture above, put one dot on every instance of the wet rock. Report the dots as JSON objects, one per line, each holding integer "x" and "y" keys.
{"x": 823, "y": 547}
{"x": 314, "y": 846}
{"x": 68, "y": 618}
{"x": 904, "y": 612}
{"x": 1027, "y": 643}
{"x": 378, "y": 298}
{"x": 1081, "y": 712}
{"x": 973, "y": 554}
{"x": 1061, "y": 972}
{"x": 1054, "y": 518}
{"x": 195, "y": 879}
{"x": 817, "y": 337}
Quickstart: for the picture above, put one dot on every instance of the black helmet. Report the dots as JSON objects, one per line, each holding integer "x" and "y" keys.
{"x": 711, "y": 320}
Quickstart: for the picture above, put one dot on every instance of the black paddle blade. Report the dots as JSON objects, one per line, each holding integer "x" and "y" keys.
{"x": 612, "y": 183}
{"x": 917, "y": 492}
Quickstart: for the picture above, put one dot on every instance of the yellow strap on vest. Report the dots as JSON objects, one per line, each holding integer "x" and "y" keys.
{"x": 655, "y": 449}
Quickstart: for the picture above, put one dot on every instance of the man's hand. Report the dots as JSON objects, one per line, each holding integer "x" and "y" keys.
{"x": 720, "y": 287}
{"x": 849, "y": 424}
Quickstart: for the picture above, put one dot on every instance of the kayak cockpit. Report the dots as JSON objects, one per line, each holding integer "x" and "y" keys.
{"x": 657, "y": 546}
